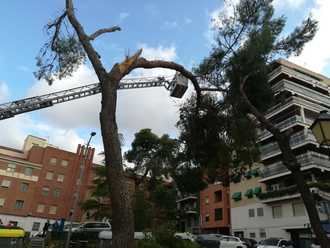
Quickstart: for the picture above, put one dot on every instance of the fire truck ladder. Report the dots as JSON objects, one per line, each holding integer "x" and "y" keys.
{"x": 177, "y": 86}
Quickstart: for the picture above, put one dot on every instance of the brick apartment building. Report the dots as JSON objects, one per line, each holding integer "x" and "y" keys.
{"x": 215, "y": 209}
{"x": 39, "y": 182}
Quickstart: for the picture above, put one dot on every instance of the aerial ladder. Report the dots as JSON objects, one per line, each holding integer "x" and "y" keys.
{"x": 176, "y": 85}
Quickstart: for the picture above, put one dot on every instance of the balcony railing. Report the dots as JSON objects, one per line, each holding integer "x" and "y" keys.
{"x": 301, "y": 76}
{"x": 283, "y": 125}
{"x": 296, "y": 139}
{"x": 307, "y": 159}
{"x": 301, "y": 90}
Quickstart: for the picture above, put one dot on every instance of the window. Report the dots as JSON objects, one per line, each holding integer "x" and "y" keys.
{"x": 19, "y": 204}
{"x": 207, "y": 218}
{"x": 56, "y": 193}
{"x": 262, "y": 234}
{"x": 64, "y": 163}
{"x": 5, "y": 183}
{"x": 260, "y": 212}
{"x": 277, "y": 212}
{"x": 49, "y": 175}
{"x": 60, "y": 178}
{"x": 52, "y": 161}
{"x": 218, "y": 196}
{"x": 218, "y": 214}
{"x": 251, "y": 212}
{"x": 11, "y": 167}
{"x": 252, "y": 235}
{"x": 298, "y": 209}
{"x": 52, "y": 209}
{"x": 35, "y": 226}
{"x": 40, "y": 208}
{"x": 206, "y": 200}
{"x": 45, "y": 191}
{"x": 2, "y": 202}
{"x": 24, "y": 187}
{"x": 28, "y": 171}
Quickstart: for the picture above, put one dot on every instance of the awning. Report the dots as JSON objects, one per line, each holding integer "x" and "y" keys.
{"x": 237, "y": 196}
{"x": 249, "y": 193}
{"x": 257, "y": 191}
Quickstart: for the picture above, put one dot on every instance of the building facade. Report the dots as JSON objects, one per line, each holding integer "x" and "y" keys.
{"x": 278, "y": 210}
{"x": 215, "y": 209}
{"x": 188, "y": 213}
{"x": 40, "y": 182}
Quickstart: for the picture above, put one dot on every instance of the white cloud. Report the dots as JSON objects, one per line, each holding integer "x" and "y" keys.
{"x": 288, "y": 3}
{"x": 170, "y": 25}
{"x": 226, "y": 10}
{"x": 4, "y": 93}
{"x": 123, "y": 16}
{"x": 187, "y": 20}
{"x": 139, "y": 108}
{"x": 316, "y": 54}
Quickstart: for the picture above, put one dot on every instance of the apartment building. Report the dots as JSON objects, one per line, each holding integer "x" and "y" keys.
{"x": 215, "y": 209}
{"x": 188, "y": 213}
{"x": 300, "y": 95}
{"x": 40, "y": 182}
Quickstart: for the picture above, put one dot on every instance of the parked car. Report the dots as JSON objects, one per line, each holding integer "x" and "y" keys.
{"x": 275, "y": 243}
{"x": 185, "y": 236}
{"x": 232, "y": 242}
{"x": 251, "y": 243}
{"x": 94, "y": 227}
{"x": 105, "y": 238}
{"x": 208, "y": 240}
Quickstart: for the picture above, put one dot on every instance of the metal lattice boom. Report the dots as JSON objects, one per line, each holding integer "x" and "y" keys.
{"x": 10, "y": 109}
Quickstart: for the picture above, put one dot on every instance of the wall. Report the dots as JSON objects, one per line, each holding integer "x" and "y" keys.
{"x": 209, "y": 208}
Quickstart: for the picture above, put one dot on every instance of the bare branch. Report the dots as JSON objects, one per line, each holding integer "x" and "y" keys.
{"x": 214, "y": 89}
{"x": 85, "y": 41}
{"x": 125, "y": 66}
{"x": 103, "y": 31}
{"x": 57, "y": 24}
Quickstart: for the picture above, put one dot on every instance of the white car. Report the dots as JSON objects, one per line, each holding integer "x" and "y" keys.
{"x": 185, "y": 236}
{"x": 93, "y": 227}
{"x": 231, "y": 242}
{"x": 275, "y": 243}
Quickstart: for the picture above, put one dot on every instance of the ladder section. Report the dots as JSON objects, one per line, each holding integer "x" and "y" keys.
{"x": 8, "y": 110}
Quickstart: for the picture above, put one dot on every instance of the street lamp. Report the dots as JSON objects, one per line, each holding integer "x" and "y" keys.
{"x": 321, "y": 128}
{"x": 76, "y": 195}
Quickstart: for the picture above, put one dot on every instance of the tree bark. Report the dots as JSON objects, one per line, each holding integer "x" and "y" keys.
{"x": 121, "y": 202}
{"x": 291, "y": 162}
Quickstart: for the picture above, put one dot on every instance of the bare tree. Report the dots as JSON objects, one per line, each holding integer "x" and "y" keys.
{"x": 60, "y": 57}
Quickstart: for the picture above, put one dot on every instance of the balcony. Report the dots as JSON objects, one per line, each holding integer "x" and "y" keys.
{"x": 301, "y": 76}
{"x": 292, "y": 192}
{"x": 292, "y": 121}
{"x": 296, "y": 140}
{"x": 293, "y": 100}
{"x": 294, "y": 88}
{"x": 187, "y": 197}
{"x": 307, "y": 160}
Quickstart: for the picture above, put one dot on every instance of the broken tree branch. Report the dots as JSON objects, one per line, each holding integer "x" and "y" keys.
{"x": 149, "y": 64}
{"x": 103, "y": 31}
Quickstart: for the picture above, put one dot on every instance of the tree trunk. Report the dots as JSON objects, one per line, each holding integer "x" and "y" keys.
{"x": 310, "y": 205}
{"x": 121, "y": 202}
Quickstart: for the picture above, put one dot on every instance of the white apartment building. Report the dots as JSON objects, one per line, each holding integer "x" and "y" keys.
{"x": 278, "y": 211}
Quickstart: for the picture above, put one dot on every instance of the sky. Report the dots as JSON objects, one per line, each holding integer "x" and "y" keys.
{"x": 172, "y": 30}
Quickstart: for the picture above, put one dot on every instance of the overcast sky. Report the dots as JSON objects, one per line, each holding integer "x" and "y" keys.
{"x": 170, "y": 30}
